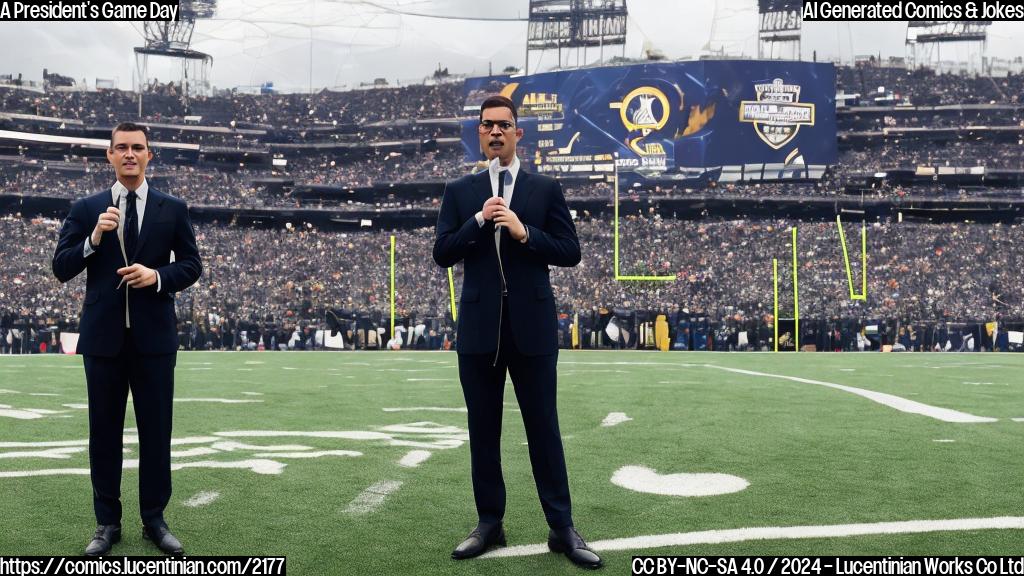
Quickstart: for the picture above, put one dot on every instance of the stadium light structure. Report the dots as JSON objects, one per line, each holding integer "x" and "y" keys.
{"x": 174, "y": 40}
{"x": 573, "y": 26}
{"x": 926, "y": 37}
{"x": 779, "y": 29}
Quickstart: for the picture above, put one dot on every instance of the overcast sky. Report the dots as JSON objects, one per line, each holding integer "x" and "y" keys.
{"x": 342, "y": 43}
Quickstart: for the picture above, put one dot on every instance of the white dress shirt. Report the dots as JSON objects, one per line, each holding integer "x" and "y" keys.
{"x": 494, "y": 169}
{"x": 119, "y": 195}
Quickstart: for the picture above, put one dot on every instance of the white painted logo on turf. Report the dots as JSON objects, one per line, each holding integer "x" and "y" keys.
{"x": 9, "y": 411}
{"x": 648, "y": 481}
{"x": 614, "y": 418}
{"x": 201, "y": 499}
{"x": 264, "y": 459}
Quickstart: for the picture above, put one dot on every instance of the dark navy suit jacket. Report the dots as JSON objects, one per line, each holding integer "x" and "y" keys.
{"x": 166, "y": 227}
{"x": 538, "y": 202}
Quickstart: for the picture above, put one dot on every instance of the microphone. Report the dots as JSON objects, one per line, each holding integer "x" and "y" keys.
{"x": 504, "y": 179}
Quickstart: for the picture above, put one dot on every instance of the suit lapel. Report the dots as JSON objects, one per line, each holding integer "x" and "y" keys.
{"x": 154, "y": 203}
{"x": 100, "y": 203}
{"x": 482, "y": 185}
{"x": 521, "y": 192}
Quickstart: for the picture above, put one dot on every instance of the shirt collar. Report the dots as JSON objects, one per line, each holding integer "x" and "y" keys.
{"x": 118, "y": 189}
{"x": 513, "y": 168}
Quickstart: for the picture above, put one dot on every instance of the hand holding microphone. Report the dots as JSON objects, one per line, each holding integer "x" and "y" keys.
{"x": 492, "y": 206}
{"x": 107, "y": 222}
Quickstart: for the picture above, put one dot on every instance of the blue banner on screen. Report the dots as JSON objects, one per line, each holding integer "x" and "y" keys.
{"x": 736, "y": 120}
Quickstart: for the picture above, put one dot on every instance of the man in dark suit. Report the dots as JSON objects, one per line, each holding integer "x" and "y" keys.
{"x": 508, "y": 226}
{"x": 138, "y": 248}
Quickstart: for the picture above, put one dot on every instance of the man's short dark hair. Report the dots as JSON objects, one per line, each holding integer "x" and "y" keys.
{"x": 498, "y": 101}
{"x": 129, "y": 127}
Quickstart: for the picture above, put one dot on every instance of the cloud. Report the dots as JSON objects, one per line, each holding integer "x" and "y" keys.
{"x": 353, "y": 42}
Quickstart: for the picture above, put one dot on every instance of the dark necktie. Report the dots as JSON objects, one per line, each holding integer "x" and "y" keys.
{"x": 131, "y": 227}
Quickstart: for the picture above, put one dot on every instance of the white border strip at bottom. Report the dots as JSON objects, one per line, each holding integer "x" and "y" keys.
{"x": 778, "y": 533}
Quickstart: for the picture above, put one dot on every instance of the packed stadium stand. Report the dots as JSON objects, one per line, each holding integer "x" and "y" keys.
{"x": 295, "y": 198}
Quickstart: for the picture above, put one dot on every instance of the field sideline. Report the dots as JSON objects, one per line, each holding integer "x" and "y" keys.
{"x": 358, "y": 463}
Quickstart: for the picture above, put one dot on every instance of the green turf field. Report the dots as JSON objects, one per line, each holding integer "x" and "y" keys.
{"x": 814, "y": 455}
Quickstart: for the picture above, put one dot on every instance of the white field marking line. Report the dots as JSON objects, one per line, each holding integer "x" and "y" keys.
{"x": 614, "y": 418}
{"x": 895, "y": 402}
{"x": 372, "y": 498}
{"x": 220, "y": 400}
{"x": 778, "y": 533}
{"x": 443, "y": 437}
{"x": 42, "y": 394}
{"x": 648, "y": 481}
{"x": 76, "y": 406}
{"x": 351, "y": 453}
{"x": 55, "y": 453}
{"x": 9, "y": 412}
{"x": 244, "y": 369}
{"x": 672, "y": 364}
{"x": 231, "y": 446}
{"x": 590, "y": 370}
{"x": 8, "y": 391}
{"x": 414, "y": 458}
{"x": 201, "y": 499}
{"x": 257, "y": 466}
{"x": 440, "y": 437}
{"x": 201, "y": 368}
{"x": 193, "y": 452}
{"x": 944, "y": 441}
{"x": 1018, "y": 419}
{"x": 339, "y": 434}
{"x": 252, "y": 393}
{"x": 975, "y": 364}
{"x": 126, "y": 439}
{"x": 428, "y": 379}
{"x": 436, "y": 444}
{"x": 426, "y": 409}
{"x": 408, "y": 369}
{"x": 255, "y": 362}
{"x": 422, "y": 428}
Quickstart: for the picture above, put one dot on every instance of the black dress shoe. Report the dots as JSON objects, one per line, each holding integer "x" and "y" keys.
{"x": 569, "y": 542}
{"x": 103, "y": 540}
{"x": 161, "y": 535}
{"x": 481, "y": 539}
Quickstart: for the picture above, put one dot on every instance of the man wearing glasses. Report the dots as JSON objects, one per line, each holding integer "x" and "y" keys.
{"x": 508, "y": 226}
{"x": 138, "y": 248}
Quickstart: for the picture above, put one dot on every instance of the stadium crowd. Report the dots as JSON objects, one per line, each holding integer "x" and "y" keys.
{"x": 283, "y": 282}
{"x": 443, "y": 100}
{"x": 721, "y": 269}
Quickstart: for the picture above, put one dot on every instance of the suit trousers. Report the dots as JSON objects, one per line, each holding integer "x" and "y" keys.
{"x": 151, "y": 381}
{"x": 534, "y": 380}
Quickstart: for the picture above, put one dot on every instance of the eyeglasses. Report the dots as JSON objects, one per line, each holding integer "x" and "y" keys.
{"x": 488, "y": 125}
